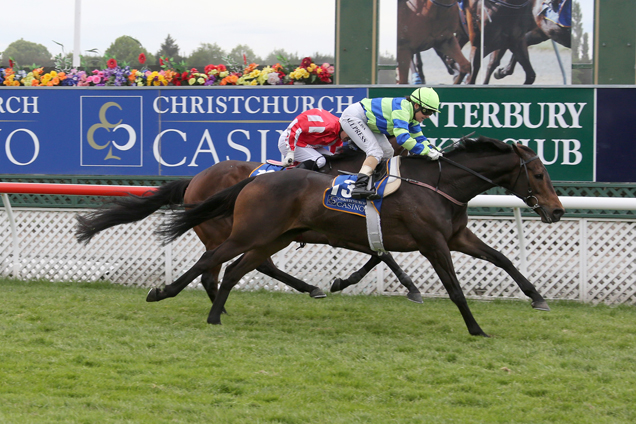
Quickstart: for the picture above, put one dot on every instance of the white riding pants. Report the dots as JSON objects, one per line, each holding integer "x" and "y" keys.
{"x": 301, "y": 154}
{"x": 354, "y": 122}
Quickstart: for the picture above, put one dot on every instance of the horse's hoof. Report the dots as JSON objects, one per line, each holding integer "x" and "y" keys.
{"x": 317, "y": 293}
{"x": 214, "y": 321}
{"x": 336, "y": 286}
{"x": 153, "y": 295}
{"x": 541, "y": 305}
{"x": 415, "y": 297}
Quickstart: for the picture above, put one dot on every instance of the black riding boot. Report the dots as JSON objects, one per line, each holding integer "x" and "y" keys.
{"x": 308, "y": 164}
{"x": 364, "y": 189}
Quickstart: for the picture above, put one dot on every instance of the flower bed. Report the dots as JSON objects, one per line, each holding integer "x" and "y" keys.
{"x": 171, "y": 74}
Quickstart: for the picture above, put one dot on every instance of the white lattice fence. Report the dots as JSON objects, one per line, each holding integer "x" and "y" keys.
{"x": 580, "y": 259}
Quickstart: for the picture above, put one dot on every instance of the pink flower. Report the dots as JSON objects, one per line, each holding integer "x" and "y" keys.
{"x": 327, "y": 68}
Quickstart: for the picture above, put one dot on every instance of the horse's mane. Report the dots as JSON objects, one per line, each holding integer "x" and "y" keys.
{"x": 481, "y": 145}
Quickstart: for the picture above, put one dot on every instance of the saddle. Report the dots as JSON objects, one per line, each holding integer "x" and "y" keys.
{"x": 388, "y": 168}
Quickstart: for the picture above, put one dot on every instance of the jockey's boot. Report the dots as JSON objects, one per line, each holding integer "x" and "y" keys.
{"x": 364, "y": 188}
{"x": 308, "y": 164}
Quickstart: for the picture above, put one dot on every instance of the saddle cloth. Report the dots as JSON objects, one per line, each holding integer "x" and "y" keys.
{"x": 338, "y": 196}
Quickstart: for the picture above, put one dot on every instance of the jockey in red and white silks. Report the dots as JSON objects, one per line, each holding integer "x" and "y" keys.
{"x": 313, "y": 135}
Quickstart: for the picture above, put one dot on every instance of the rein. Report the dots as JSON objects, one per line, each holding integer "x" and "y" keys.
{"x": 522, "y": 164}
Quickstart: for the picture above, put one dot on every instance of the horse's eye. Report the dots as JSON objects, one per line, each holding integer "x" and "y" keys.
{"x": 538, "y": 176}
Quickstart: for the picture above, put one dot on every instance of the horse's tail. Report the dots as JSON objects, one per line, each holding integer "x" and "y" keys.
{"x": 220, "y": 205}
{"x": 129, "y": 209}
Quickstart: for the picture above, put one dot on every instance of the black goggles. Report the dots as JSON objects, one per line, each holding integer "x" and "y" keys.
{"x": 426, "y": 111}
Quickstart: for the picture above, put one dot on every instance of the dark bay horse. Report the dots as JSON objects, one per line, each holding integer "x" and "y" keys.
{"x": 545, "y": 29}
{"x": 271, "y": 210}
{"x": 225, "y": 174}
{"x": 506, "y": 23}
{"x": 429, "y": 24}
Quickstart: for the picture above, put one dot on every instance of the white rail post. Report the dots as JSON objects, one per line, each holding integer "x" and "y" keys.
{"x": 14, "y": 233}
{"x": 522, "y": 242}
{"x": 167, "y": 251}
{"x": 583, "y": 285}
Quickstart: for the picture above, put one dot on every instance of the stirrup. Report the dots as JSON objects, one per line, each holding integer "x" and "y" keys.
{"x": 364, "y": 194}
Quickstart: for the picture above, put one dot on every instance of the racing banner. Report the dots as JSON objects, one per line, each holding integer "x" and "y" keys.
{"x": 150, "y": 132}
{"x": 177, "y": 131}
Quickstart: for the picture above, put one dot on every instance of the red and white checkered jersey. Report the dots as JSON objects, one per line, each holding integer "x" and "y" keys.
{"x": 315, "y": 127}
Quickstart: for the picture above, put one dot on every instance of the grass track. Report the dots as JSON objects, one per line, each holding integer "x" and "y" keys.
{"x": 98, "y": 353}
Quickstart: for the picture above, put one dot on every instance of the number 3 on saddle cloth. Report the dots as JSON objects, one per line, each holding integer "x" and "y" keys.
{"x": 338, "y": 198}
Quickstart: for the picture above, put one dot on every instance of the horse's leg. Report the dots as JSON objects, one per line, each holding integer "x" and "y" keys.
{"x": 533, "y": 37}
{"x": 246, "y": 263}
{"x": 210, "y": 282}
{"x": 413, "y": 294}
{"x": 452, "y": 50}
{"x": 210, "y": 259}
{"x": 467, "y": 242}
{"x": 404, "y": 57}
{"x": 508, "y": 70}
{"x": 268, "y": 268}
{"x": 495, "y": 60}
{"x": 475, "y": 60}
{"x": 439, "y": 256}
{"x": 520, "y": 51}
{"x": 419, "y": 67}
{"x": 171, "y": 290}
{"x": 339, "y": 284}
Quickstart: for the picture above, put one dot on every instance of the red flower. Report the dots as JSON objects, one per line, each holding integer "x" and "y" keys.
{"x": 112, "y": 63}
{"x": 194, "y": 71}
{"x": 142, "y": 58}
{"x": 10, "y": 63}
{"x": 306, "y": 62}
{"x": 221, "y": 68}
{"x": 209, "y": 68}
{"x": 161, "y": 61}
{"x": 244, "y": 59}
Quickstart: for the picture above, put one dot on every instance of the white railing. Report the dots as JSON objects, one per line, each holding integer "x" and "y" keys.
{"x": 583, "y": 259}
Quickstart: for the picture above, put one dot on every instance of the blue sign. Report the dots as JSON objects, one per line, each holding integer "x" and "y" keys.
{"x": 615, "y": 135}
{"x": 150, "y": 132}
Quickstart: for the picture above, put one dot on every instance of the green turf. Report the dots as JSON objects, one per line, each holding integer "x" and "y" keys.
{"x": 97, "y": 353}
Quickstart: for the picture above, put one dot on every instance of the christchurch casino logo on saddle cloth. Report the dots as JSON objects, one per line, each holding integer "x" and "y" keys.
{"x": 111, "y": 128}
{"x": 338, "y": 196}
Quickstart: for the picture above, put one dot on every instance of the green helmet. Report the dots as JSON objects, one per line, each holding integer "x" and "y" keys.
{"x": 426, "y": 97}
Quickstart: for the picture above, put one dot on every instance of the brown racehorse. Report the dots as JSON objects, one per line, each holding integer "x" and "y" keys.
{"x": 225, "y": 174}
{"x": 545, "y": 29}
{"x": 429, "y": 24}
{"x": 505, "y": 25}
{"x": 271, "y": 210}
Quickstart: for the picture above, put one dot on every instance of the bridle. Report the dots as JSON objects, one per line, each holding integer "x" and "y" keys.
{"x": 522, "y": 165}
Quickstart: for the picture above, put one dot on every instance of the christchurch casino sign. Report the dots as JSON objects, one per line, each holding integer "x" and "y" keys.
{"x": 180, "y": 132}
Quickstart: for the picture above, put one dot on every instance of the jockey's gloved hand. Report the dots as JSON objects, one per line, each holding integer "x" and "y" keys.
{"x": 433, "y": 153}
{"x": 289, "y": 159}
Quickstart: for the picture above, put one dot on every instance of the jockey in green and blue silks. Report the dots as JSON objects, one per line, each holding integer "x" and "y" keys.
{"x": 371, "y": 120}
{"x": 394, "y": 117}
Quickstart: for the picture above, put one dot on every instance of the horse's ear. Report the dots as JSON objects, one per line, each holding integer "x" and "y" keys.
{"x": 516, "y": 148}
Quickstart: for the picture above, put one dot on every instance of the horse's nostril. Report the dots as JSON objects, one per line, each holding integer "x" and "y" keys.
{"x": 558, "y": 213}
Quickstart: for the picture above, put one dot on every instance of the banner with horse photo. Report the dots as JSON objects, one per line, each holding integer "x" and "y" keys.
{"x": 482, "y": 41}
